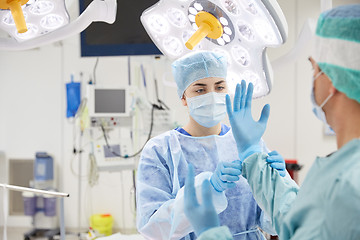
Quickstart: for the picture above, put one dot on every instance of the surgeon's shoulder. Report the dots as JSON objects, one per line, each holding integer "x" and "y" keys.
{"x": 345, "y": 192}
{"x": 342, "y": 203}
{"x": 351, "y": 180}
{"x": 160, "y": 142}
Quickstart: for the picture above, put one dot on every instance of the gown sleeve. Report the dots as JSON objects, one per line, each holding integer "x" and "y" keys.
{"x": 160, "y": 207}
{"x": 273, "y": 193}
{"x": 265, "y": 221}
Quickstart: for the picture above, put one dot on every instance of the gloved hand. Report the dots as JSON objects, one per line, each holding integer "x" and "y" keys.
{"x": 247, "y": 132}
{"x": 225, "y": 175}
{"x": 201, "y": 216}
{"x": 277, "y": 162}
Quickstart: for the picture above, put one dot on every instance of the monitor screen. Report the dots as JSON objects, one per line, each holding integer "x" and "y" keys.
{"x": 126, "y": 36}
{"x": 110, "y": 101}
{"x": 114, "y": 151}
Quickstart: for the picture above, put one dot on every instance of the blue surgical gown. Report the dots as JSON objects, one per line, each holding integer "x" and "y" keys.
{"x": 327, "y": 206}
{"x": 161, "y": 176}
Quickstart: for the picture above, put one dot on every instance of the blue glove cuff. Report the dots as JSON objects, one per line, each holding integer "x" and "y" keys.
{"x": 249, "y": 151}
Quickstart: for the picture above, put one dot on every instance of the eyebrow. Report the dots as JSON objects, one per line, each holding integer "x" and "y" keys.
{"x": 204, "y": 85}
{"x": 200, "y": 84}
{"x": 219, "y": 82}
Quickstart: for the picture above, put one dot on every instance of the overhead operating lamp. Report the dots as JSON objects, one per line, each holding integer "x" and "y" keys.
{"x": 239, "y": 29}
{"x": 16, "y": 12}
{"x": 28, "y": 19}
{"x": 48, "y": 21}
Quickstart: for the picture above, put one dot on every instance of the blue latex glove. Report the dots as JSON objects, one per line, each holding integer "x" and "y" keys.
{"x": 247, "y": 132}
{"x": 277, "y": 162}
{"x": 201, "y": 216}
{"x": 225, "y": 175}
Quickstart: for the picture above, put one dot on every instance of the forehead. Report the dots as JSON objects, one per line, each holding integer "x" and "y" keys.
{"x": 208, "y": 81}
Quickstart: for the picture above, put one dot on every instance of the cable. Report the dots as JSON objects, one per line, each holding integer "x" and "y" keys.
{"x": 149, "y": 136}
{"x": 73, "y": 171}
{"x": 94, "y": 70}
{"x": 122, "y": 200}
{"x": 79, "y": 186}
{"x": 162, "y": 103}
{"x": 80, "y": 150}
{"x": 133, "y": 194}
{"x": 93, "y": 171}
{"x": 129, "y": 71}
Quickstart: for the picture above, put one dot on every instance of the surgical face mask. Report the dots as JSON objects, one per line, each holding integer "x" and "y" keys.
{"x": 208, "y": 109}
{"x": 317, "y": 110}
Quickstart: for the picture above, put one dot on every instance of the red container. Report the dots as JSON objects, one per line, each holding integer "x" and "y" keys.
{"x": 293, "y": 167}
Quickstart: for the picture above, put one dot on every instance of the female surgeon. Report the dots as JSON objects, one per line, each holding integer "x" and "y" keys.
{"x": 327, "y": 206}
{"x": 211, "y": 148}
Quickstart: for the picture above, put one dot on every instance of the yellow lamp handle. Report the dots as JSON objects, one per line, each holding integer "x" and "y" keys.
{"x": 209, "y": 26}
{"x": 199, "y": 35}
{"x": 18, "y": 16}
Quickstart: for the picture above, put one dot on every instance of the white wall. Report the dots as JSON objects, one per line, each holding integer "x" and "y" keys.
{"x": 32, "y": 108}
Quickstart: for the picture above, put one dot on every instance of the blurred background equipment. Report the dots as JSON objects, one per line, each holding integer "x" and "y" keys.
{"x": 40, "y": 201}
{"x": 73, "y": 96}
{"x": 126, "y": 36}
{"x": 293, "y": 168}
{"x": 102, "y": 223}
{"x": 42, "y": 208}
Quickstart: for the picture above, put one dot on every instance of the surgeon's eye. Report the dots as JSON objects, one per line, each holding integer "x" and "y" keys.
{"x": 201, "y": 90}
{"x": 220, "y": 88}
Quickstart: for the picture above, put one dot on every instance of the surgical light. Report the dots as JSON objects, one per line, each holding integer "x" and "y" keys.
{"x": 41, "y": 7}
{"x": 52, "y": 21}
{"x": 14, "y": 6}
{"x": 240, "y": 29}
{"x": 231, "y": 6}
{"x": 172, "y": 46}
{"x": 158, "y": 24}
{"x": 43, "y": 15}
{"x": 177, "y": 17}
{"x": 31, "y": 32}
{"x": 48, "y": 21}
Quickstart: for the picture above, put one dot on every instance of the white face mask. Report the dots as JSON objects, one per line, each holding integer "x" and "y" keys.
{"x": 317, "y": 110}
{"x": 208, "y": 109}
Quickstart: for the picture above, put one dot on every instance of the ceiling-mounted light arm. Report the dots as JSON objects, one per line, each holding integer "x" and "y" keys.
{"x": 97, "y": 11}
{"x": 278, "y": 16}
{"x": 304, "y": 40}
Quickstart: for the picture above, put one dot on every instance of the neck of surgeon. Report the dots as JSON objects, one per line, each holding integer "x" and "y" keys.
{"x": 343, "y": 115}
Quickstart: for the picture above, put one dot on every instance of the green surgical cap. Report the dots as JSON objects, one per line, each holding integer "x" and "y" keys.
{"x": 338, "y": 48}
{"x": 198, "y": 65}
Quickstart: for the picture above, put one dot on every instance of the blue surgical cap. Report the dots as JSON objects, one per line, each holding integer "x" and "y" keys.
{"x": 196, "y": 66}
{"x": 338, "y": 48}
